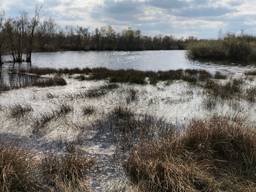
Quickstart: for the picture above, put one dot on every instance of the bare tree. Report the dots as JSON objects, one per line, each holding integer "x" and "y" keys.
{"x": 33, "y": 23}
{"x": 2, "y": 39}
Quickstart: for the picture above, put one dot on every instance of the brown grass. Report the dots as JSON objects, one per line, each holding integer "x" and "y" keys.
{"x": 17, "y": 171}
{"x": 20, "y": 172}
{"x": 66, "y": 171}
{"x": 19, "y": 111}
{"x": 88, "y": 110}
{"x": 214, "y": 155}
{"x": 228, "y": 90}
{"x": 250, "y": 94}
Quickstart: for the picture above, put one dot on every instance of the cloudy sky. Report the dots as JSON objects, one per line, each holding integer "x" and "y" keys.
{"x": 201, "y": 18}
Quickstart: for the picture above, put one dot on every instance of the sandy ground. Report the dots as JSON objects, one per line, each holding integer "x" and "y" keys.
{"x": 176, "y": 103}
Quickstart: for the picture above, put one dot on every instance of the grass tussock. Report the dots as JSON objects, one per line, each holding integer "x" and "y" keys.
{"x": 219, "y": 75}
{"x": 97, "y": 92}
{"x": 49, "y": 82}
{"x": 127, "y": 128}
{"x": 19, "y": 111}
{"x": 17, "y": 171}
{"x": 213, "y": 155}
{"x": 227, "y": 90}
{"x": 56, "y": 173}
{"x": 132, "y": 96}
{"x": 250, "y": 94}
{"x": 88, "y": 110}
{"x": 45, "y": 118}
{"x": 66, "y": 172}
{"x": 250, "y": 73}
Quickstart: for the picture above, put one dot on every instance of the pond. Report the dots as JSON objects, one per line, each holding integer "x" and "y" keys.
{"x": 139, "y": 60}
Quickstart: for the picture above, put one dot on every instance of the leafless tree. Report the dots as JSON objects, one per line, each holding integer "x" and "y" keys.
{"x": 2, "y": 39}
{"x": 32, "y": 24}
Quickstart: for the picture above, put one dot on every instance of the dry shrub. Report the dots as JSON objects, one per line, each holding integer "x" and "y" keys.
{"x": 214, "y": 155}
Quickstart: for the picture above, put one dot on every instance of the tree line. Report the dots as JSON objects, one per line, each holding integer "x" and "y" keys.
{"x": 22, "y": 35}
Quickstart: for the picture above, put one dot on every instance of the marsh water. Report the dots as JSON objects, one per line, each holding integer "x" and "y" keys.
{"x": 139, "y": 60}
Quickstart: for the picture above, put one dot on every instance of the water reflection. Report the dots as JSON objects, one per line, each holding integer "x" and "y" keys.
{"x": 11, "y": 78}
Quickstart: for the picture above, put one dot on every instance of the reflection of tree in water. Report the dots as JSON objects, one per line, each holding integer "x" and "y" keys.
{"x": 11, "y": 78}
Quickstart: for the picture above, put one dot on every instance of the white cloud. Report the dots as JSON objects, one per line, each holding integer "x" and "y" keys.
{"x": 201, "y": 17}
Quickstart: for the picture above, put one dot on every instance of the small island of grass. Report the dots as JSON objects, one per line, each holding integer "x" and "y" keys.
{"x": 232, "y": 49}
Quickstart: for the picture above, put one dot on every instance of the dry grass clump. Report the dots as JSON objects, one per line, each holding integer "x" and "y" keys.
{"x": 88, "y": 110}
{"x": 63, "y": 110}
{"x": 45, "y": 118}
{"x": 97, "y": 92}
{"x": 219, "y": 75}
{"x": 19, "y": 111}
{"x": 56, "y": 173}
{"x": 132, "y": 96}
{"x": 213, "y": 155}
{"x": 48, "y": 82}
{"x": 252, "y": 73}
{"x": 128, "y": 128}
{"x": 4, "y": 88}
{"x": 80, "y": 78}
{"x": 67, "y": 171}
{"x": 17, "y": 171}
{"x": 228, "y": 90}
{"x": 250, "y": 94}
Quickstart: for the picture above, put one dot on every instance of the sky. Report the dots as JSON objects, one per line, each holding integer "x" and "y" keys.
{"x": 181, "y": 18}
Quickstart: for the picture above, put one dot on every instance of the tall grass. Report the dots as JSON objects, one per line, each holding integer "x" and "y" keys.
{"x": 21, "y": 172}
{"x": 17, "y": 171}
{"x": 212, "y": 155}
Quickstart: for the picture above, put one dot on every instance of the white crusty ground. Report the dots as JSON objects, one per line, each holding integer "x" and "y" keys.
{"x": 177, "y": 103}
